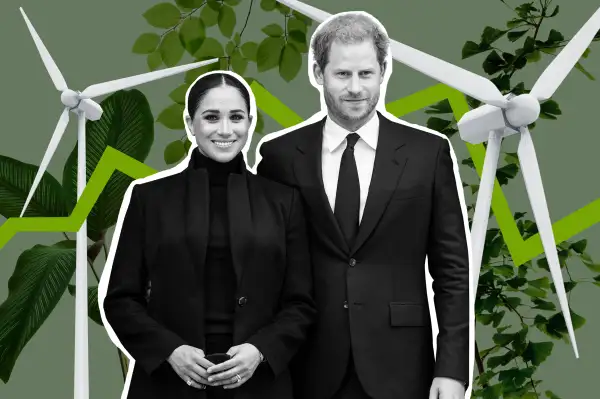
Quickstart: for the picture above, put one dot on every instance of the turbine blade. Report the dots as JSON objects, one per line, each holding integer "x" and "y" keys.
{"x": 124, "y": 83}
{"x": 535, "y": 190}
{"x": 51, "y": 67}
{"x": 562, "y": 64}
{"x": 54, "y": 141}
{"x": 461, "y": 79}
{"x": 484, "y": 200}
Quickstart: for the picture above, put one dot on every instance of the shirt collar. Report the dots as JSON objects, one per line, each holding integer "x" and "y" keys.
{"x": 335, "y": 135}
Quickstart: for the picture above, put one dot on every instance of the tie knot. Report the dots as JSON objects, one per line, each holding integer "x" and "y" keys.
{"x": 352, "y": 138}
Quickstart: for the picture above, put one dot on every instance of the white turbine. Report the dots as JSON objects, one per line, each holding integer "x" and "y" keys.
{"x": 81, "y": 104}
{"x": 499, "y": 117}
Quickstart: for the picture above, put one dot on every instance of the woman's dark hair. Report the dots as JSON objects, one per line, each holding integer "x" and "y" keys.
{"x": 203, "y": 85}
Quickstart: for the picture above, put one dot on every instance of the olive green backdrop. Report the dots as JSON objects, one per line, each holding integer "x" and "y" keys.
{"x": 91, "y": 42}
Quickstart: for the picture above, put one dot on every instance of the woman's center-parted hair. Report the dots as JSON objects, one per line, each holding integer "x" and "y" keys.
{"x": 202, "y": 86}
{"x": 349, "y": 28}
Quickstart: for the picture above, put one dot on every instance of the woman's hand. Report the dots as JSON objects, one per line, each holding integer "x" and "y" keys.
{"x": 234, "y": 372}
{"x": 190, "y": 364}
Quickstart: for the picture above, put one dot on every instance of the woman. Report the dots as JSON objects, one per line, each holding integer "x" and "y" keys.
{"x": 212, "y": 259}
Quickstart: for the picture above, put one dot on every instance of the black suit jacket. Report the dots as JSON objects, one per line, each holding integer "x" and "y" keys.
{"x": 371, "y": 298}
{"x": 163, "y": 239}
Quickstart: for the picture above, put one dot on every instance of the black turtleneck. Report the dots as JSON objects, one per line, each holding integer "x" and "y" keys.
{"x": 220, "y": 280}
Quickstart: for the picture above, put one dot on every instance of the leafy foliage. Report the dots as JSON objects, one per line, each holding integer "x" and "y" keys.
{"x": 512, "y": 300}
{"x": 43, "y": 273}
{"x": 210, "y": 29}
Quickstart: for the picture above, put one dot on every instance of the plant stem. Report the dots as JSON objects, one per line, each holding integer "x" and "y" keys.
{"x": 247, "y": 18}
{"x": 479, "y": 361}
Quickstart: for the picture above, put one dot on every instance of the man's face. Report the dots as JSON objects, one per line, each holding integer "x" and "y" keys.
{"x": 351, "y": 81}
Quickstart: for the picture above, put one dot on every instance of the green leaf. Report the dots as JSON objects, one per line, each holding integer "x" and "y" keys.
{"x": 187, "y": 144}
{"x": 214, "y": 4}
{"x": 549, "y": 109}
{"x": 507, "y": 172}
{"x": 211, "y": 48}
{"x": 268, "y": 5}
{"x": 534, "y": 56}
{"x": 226, "y": 20}
{"x": 443, "y": 107}
{"x": 296, "y": 25}
{"x": 554, "y": 13}
{"x": 579, "y": 246}
{"x": 543, "y": 305}
{"x": 502, "y": 82}
{"x": 249, "y": 50}
{"x": 238, "y": 62}
{"x": 171, "y": 49}
{"x": 515, "y": 35}
{"x": 273, "y": 30}
{"x": 172, "y": 117}
{"x": 554, "y": 37}
{"x": 93, "y": 309}
{"x": 36, "y": 286}
{"x": 541, "y": 283}
{"x": 162, "y": 15}
{"x": 302, "y": 47}
{"x": 438, "y": 124}
{"x": 557, "y": 326}
{"x": 535, "y": 292}
{"x": 178, "y": 94}
{"x": 233, "y": 2}
{"x": 237, "y": 39}
{"x": 490, "y": 35}
{"x": 154, "y": 60}
{"x": 192, "y": 74}
{"x": 229, "y": 47}
{"x": 290, "y": 63}
{"x": 268, "y": 53}
{"x": 470, "y": 49}
{"x": 537, "y": 352}
{"x": 260, "y": 122}
{"x": 146, "y": 43}
{"x": 209, "y": 16}
{"x": 284, "y": 10}
{"x": 174, "y": 152}
{"x": 126, "y": 125}
{"x": 493, "y": 63}
{"x": 580, "y": 68}
{"x": 16, "y": 179}
{"x": 192, "y": 34}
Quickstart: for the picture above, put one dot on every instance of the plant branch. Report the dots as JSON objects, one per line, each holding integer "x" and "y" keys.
{"x": 181, "y": 19}
{"x": 247, "y": 18}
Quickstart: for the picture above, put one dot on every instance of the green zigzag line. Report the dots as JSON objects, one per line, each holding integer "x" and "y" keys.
{"x": 112, "y": 159}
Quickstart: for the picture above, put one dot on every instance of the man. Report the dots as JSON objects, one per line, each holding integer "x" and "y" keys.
{"x": 380, "y": 197}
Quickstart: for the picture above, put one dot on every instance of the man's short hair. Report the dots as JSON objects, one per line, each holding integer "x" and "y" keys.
{"x": 349, "y": 28}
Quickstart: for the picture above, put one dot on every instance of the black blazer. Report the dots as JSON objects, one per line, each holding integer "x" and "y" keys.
{"x": 163, "y": 239}
{"x": 372, "y": 298}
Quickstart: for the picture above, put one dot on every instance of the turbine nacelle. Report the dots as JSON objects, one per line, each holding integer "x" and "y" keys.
{"x": 521, "y": 110}
{"x": 74, "y": 101}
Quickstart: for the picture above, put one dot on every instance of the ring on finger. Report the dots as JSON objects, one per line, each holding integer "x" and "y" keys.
{"x": 239, "y": 379}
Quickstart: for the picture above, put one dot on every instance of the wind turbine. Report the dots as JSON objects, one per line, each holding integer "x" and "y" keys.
{"x": 81, "y": 104}
{"x": 499, "y": 117}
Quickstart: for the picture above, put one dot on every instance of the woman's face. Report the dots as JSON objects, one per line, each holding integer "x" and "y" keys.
{"x": 221, "y": 123}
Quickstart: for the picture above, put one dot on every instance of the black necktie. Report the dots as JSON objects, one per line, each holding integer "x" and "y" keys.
{"x": 347, "y": 198}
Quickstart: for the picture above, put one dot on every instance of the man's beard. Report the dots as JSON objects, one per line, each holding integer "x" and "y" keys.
{"x": 334, "y": 106}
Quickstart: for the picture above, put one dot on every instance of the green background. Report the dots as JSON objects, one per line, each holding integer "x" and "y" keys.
{"x": 91, "y": 42}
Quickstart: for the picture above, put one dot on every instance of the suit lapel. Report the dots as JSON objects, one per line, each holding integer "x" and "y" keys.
{"x": 240, "y": 222}
{"x": 196, "y": 217}
{"x": 390, "y": 159}
{"x": 308, "y": 173}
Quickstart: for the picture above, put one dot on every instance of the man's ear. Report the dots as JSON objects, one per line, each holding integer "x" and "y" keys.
{"x": 383, "y": 69}
{"x": 318, "y": 73}
{"x": 188, "y": 123}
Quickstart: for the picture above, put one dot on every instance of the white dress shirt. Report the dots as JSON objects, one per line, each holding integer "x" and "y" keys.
{"x": 334, "y": 144}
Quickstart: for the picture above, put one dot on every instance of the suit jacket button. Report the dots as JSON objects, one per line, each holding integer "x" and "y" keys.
{"x": 345, "y": 304}
{"x": 242, "y": 301}
{"x": 352, "y": 262}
